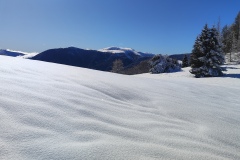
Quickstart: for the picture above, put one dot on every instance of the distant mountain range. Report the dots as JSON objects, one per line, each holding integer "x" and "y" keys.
{"x": 129, "y": 52}
{"x": 93, "y": 59}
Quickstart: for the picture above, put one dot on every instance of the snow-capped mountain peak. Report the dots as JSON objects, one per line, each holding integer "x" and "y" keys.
{"x": 9, "y": 50}
{"x": 127, "y": 51}
{"x": 118, "y": 50}
{"x": 13, "y": 53}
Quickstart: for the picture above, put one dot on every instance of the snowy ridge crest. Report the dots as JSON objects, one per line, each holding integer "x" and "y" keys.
{"x": 9, "y": 50}
{"x": 119, "y": 50}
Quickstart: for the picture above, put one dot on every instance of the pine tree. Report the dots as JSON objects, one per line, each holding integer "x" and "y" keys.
{"x": 207, "y": 54}
{"x": 215, "y": 56}
{"x": 238, "y": 36}
{"x": 234, "y": 41}
{"x": 236, "y": 31}
{"x": 227, "y": 36}
{"x": 197, "y": 53}
{"x": 185, "y": 61}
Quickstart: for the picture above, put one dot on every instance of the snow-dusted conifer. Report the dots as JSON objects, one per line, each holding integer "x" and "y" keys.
{"x": 163, "y": 64}
{"x": 207, "y": 54}
{"x": 197, "y": 53}
{"x": 236, "y": 31}
{"x": 215, "y": 56}
{"x": 227, "y": 36}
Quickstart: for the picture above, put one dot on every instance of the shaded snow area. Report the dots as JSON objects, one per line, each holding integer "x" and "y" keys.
{"x": 53, "y": 111}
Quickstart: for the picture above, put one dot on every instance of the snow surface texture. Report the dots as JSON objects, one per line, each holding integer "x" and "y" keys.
{"x": 53, "y": 111}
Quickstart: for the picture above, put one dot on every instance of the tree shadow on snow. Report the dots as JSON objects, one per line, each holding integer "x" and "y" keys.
{"x": 232, "y": 75}
{"x": 225, "y": 68}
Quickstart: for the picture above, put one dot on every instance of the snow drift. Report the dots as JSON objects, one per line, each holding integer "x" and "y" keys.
{"x": 53, "y": 111}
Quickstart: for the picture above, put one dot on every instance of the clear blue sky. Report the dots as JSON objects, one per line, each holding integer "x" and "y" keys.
{"x": 156, "y": 26}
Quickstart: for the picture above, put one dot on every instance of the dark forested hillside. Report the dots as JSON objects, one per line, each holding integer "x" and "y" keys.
{"x": 87, "y": 58}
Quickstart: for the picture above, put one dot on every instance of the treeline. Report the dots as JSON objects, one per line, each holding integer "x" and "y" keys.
{"x": 230, "y": 36}
{"x": 157, "y": 64}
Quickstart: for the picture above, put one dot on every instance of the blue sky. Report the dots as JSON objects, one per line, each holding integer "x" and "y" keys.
{"x": 156, "y": 26}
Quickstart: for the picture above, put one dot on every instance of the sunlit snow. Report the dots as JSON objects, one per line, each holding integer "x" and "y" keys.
{"x": 53, "y": 111}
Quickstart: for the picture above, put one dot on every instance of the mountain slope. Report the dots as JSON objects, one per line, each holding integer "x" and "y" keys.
{"x": 53, "y": 111}
{"x": 86, "y": 58}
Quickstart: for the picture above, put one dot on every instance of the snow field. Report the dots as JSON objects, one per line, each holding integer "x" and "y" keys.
{"x": 52, "y": 111}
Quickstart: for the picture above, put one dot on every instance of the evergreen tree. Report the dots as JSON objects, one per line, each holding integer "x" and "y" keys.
{"x": 227, "y": 36}
{"x": 231, "y": 36}
{"x": 198, "y": 52}
{"x": 236, "y": 31}
{"x": 185, "y": 61}
{"x": 207, "y": 55}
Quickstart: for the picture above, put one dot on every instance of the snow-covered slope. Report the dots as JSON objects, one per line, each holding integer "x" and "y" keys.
{"x": 126, "y": 51}
{"x": 53, "y": 111}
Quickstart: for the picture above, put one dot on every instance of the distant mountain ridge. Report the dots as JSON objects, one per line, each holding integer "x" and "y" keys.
{"x": 127, "y": 51}
{"x": 7, "y": 52}
{"x": 93, "y": 59}
{"x": 12, "y": 53}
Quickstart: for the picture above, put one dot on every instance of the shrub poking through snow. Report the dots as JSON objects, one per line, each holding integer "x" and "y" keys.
{"x": 163, "y": 64}
{"x": 207, "y": 55}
